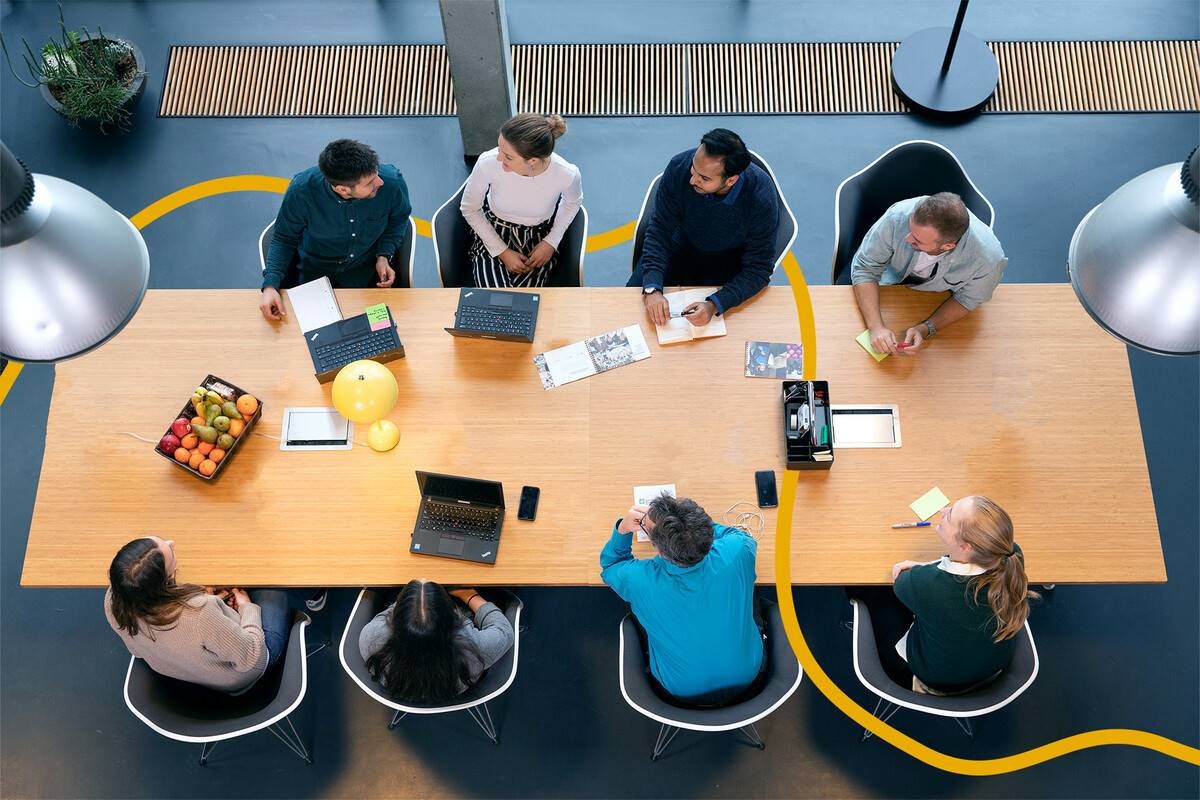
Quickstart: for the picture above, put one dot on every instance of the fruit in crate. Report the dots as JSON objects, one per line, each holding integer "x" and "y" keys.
{"x": 236, "y": 426}
{"x": 207, "y": 433}
{"x": 181, "y": 427}
{"x": 221, "y": 423}
{"x": 207, "y": 467}
{"x": 169, "y": 444}
{"x": 224, "y": 441}
{"x": 182, "y": 454}
{"x": 230, "y": 409}
{"x": 247, "y": 404}
{"x": 202, "y": 437}
{"x": 190, "y": 441}
{"x": 195, "y": 460}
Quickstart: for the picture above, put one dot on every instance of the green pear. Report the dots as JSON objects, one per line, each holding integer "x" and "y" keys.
{"x": 229, "y": 409}
{"x": 207, "y": 433}
{"x": 225, "y": 441}
{"x": 221, "y": 423}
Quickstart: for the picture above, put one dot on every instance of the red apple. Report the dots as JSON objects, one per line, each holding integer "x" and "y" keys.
{"x": 181, "y": 427}
{"x": 169, "y": 443}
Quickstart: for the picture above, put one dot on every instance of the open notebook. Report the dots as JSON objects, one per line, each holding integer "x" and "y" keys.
{"x": 591, "y": 356}
{"x": 678, "y": 329}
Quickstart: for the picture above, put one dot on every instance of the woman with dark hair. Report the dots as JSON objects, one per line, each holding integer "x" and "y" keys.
{"x": 224, "y": 639}
{"x": 519, "y": 201}
{"x": 423, "y": 647}
{"x": 951, "y": 625}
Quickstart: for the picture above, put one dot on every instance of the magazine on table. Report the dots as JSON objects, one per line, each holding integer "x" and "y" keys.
{"x": 774, "y": 360}
{"x": 591, "y": 356}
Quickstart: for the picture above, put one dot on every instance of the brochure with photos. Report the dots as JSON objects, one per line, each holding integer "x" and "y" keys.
{"x": 591, "y": 356}
{"x": 774, "y": 360}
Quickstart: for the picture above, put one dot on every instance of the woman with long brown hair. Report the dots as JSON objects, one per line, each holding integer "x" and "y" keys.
{"x": 219, "y": 638}
{"x": 519, "y": 201}
{"x": 963, "y": 610}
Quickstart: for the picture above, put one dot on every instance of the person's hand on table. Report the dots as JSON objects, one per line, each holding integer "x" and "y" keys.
{"x": 630, "y": 522}
{"x": 884, "y": 341}
{"x": 540, "y": 256}
{"x": 657, "y": 308}
{"x": 699, "y": 314}
{"x": 387, "y": 275}
{"x": 901, "y": 566}
{"x": 914, "y": 337}
{"x": 271, "y": 304}
{"x": 514, "y": 262}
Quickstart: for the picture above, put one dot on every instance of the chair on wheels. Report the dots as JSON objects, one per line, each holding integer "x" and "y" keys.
{"x": 491, "y": 685}
{"x": 189, "y": 713}
{"x": 785, "y": 235}
{"x": 910, "y": 169}
{"x": 783, "y": 677}
{"x": 402, "y": 262}
{"x": 452, "y": 240}
{"x": 1008, "y": 686}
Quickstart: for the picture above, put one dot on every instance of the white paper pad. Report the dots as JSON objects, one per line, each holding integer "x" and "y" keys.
{"x": 642, "y": 495}
{"x": 314, "y": 304}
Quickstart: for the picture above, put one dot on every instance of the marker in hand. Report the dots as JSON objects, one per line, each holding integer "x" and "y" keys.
{"x": 911, "y": 525}
{"x": 903, "y": 345}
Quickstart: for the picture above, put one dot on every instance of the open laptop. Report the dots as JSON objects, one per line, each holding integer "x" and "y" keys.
{"x": 458, "y": 518}
{"x": 335, "y": 345}
{"x": 491, "y": 314}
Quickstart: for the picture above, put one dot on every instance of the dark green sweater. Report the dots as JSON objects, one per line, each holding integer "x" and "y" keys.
{"x": 950, "y": 646}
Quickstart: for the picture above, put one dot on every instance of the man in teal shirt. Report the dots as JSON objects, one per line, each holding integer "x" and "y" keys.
{"x": 344, "y": 219}
{"x": 695, "y": 598}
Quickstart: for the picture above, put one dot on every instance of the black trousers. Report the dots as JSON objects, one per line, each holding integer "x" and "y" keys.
{"x": 890, "y": 619}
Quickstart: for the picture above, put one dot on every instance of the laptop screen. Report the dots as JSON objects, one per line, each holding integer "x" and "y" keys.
{"x": 452, "y": 487}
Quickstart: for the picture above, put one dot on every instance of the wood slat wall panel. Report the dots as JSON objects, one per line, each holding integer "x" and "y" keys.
{"x": 665, "y": 79}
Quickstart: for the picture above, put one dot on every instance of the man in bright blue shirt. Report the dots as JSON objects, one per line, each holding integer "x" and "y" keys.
{"x": 343, "y": 219}
{"x": 695, "y": 599}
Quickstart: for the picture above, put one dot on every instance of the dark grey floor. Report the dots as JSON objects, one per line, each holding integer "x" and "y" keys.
{"x": 1111, "y": 656}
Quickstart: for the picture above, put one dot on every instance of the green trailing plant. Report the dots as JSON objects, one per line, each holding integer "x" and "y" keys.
{"x": 90, "y": 76}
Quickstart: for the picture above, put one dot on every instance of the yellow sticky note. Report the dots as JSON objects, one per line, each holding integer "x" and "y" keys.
{"x": 929, "y": 503}
{"x": 864, "y": 339}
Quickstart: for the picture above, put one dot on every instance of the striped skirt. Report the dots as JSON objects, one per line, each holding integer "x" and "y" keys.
{"x": 491, "y": 273}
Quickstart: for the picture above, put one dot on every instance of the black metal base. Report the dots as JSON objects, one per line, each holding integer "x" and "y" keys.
{"x": 964, "y": 88}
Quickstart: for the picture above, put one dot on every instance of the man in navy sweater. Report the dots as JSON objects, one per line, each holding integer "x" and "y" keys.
{"x": 713, "y": 223}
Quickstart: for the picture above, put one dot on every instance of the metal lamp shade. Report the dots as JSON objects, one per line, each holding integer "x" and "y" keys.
{"x": 72, "y": 273}
{"x": 1135, "y": 261}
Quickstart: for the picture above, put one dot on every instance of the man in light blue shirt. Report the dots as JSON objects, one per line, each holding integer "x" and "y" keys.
{"x": 931, "y": 244}
{"x": 695, "y": 599}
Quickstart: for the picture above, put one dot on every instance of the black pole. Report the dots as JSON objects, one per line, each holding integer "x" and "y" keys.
{"x": 958, "y": 21}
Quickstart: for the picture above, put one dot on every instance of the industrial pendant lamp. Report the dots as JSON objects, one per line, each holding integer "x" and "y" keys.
{"x": 1135, "y": 260}
{"x": 72, "y": 269}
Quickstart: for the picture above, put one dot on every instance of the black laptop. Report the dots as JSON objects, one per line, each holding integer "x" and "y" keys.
{"x": 337, "y": 344}
{"x": 459, "y": 518}
{"x": 491, "y": 314}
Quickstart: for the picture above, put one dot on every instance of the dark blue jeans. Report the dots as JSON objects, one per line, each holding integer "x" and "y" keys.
{"x": 277, "y": 605}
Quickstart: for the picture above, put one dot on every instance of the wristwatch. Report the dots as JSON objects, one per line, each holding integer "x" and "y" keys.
{"x": 929, "y": 327}
{"x": 650, "y": 290}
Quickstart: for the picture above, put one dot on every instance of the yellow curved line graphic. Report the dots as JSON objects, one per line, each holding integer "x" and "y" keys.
{"x": 823, "y": 683}
{"x": 9, "y": 376}
{"x": 808, "y": 337}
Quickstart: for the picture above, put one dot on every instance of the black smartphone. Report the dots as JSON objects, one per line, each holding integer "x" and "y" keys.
{"x": 764, "y": 483}
{"x": 529, "y": 502}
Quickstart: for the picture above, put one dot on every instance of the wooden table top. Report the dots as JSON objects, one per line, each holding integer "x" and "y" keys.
{"x": 1026, "y": 401}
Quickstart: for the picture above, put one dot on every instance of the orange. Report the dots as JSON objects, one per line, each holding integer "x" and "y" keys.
{"x": 208, "y": 467}
{"x": 198, "y": 421}
{"x": 196, "y": 459}
{"x": 182, "y": 454}
{"x": 205, "y": 447}
{"x": 247, "y": 404}
{"x": 235, "y": 427}
{"x": 216, "y": 455}
{"x": 190, "y": 441}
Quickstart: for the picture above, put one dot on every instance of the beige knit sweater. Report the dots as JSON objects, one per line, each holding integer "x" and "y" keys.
{"x": 210, "y": 644}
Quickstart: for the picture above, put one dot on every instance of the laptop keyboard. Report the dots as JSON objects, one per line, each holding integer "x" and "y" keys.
{"x": 478, "y": 318}
{"x": 455, "y": 518}
{"x": 339, "y": 354}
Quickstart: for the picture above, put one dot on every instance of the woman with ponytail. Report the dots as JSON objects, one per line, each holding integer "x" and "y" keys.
{"x": 963, "y": 610}
{"x": 519, "y": 201}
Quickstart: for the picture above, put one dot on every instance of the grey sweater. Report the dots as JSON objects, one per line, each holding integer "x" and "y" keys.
{"x": 210, "y": 644}
{"x": 490, "y": 632}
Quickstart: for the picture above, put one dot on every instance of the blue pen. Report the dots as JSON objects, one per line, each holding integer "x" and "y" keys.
{"x": 912, "y": 525}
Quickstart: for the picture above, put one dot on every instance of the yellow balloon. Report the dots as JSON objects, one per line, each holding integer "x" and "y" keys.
{"x": 383, "y": 435}
{"x": 364, "y": 391}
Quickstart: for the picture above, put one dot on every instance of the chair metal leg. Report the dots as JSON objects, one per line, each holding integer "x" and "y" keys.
{"x": 752, "y": 734}
{"x": 666, "y": 734}
{"x": 293, "y": 741}
{"x": 965, "y": 724}
{"x": 399, "y": 715}
{"x": 888, "y": 710}
{"x": 206, "y": 751}
{"x": 484, "y": 719}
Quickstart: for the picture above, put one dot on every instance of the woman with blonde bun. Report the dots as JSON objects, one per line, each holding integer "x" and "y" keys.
{"x": 519, "y": 201}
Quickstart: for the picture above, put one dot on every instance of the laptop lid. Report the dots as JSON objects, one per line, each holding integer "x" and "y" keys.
{"x": 473, "y": 491}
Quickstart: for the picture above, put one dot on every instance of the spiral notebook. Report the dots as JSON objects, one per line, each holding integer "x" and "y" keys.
{"x": 591, "y": 356}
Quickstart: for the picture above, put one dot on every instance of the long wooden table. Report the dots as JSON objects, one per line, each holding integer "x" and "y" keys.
{"x": 1026, "y": 400}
